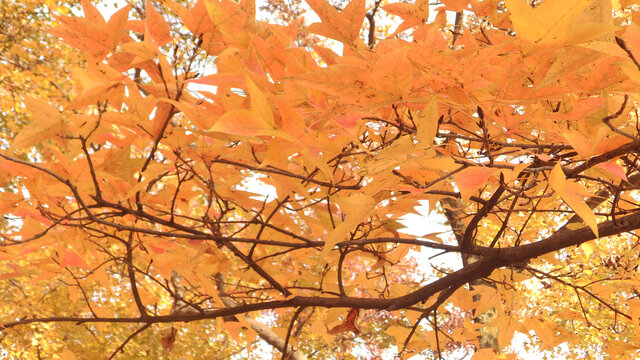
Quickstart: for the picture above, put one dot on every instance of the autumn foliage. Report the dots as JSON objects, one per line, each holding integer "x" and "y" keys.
{"x": 209, "y": 180}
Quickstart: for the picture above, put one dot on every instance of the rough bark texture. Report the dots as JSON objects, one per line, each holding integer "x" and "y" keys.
{"x": 454, "y": 214}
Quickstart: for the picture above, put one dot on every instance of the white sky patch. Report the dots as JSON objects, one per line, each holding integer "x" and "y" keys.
{"x": 108, "y": 8}
{"x": 265, "y": 192}
{"x": 426, "y": 223}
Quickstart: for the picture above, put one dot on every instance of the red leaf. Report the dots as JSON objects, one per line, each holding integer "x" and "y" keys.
{"x": 349, "y": 120}
{"x": 71, "y": 258}
{"x": 349, "y": 323}
{"x": 613, "y": 168}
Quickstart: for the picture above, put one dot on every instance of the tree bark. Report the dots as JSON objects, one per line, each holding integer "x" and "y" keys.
{"x": 489, "y": 334}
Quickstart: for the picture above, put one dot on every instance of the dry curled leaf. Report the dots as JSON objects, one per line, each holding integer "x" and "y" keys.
{"x": 349, "y": 324}
{"x": 169, "y": 339}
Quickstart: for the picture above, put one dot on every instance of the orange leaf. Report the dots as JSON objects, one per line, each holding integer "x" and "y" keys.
{"x": 393, "y": 74}
{"x": 67, "y": 355}
{"x": 92, "y": 14}
{"x": 92, "y": 35}
{"x": 220, "y": 79}
{"x": 611, "y": 143}
{"x": 46, "y": 121}
{"x": 161, "y": 118}
{"x": 579, "y": 142}
{"x": 157, "y": 26}
{"x": 455, "y": 5}
{"x": 343, "y": 26}
{"x": 471, "y": 179}
{"x": 484, "y": 354}
{"x": 411, "y": 14}
{"x": 259, "y": 103}
{"x": 196, "y": 19}
{"x": 117, "y": 24}
{"x": 427, "y": 123}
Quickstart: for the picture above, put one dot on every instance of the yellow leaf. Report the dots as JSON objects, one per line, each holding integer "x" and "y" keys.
{"x": 546, "y": 23}
{"x": 242, "y": 122}
{"x": 507, "y": 326}
{"x": 45, "y": 122}
{"x": 427, "y": 123}
{"x": 259, "y": 105}
{"x": 120, "y": 164}
{"x": 587, "y": 248}
{"x": 572, "y": 193}
{"x": 356, "y": 208}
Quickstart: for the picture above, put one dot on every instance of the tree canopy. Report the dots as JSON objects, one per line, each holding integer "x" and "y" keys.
{"x": 192, "y": 182}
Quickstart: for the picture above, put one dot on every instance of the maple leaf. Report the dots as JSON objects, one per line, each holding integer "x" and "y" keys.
{"x": 157, "y": 26}
{"x": 411, "y": 14}
{"x": 342, "y": 26}
{"x": 92, "y": 34}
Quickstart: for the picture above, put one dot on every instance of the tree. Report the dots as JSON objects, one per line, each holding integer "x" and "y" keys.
{"x": 175, "y": 208}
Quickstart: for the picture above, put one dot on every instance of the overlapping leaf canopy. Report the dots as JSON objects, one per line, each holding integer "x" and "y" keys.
{"x": 223, "y": 176}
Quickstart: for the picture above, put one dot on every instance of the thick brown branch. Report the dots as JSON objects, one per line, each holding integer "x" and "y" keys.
{"x": 561, "y": 240}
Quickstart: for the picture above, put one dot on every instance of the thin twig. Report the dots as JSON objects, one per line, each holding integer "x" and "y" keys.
{"x": 129, "y": 338}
